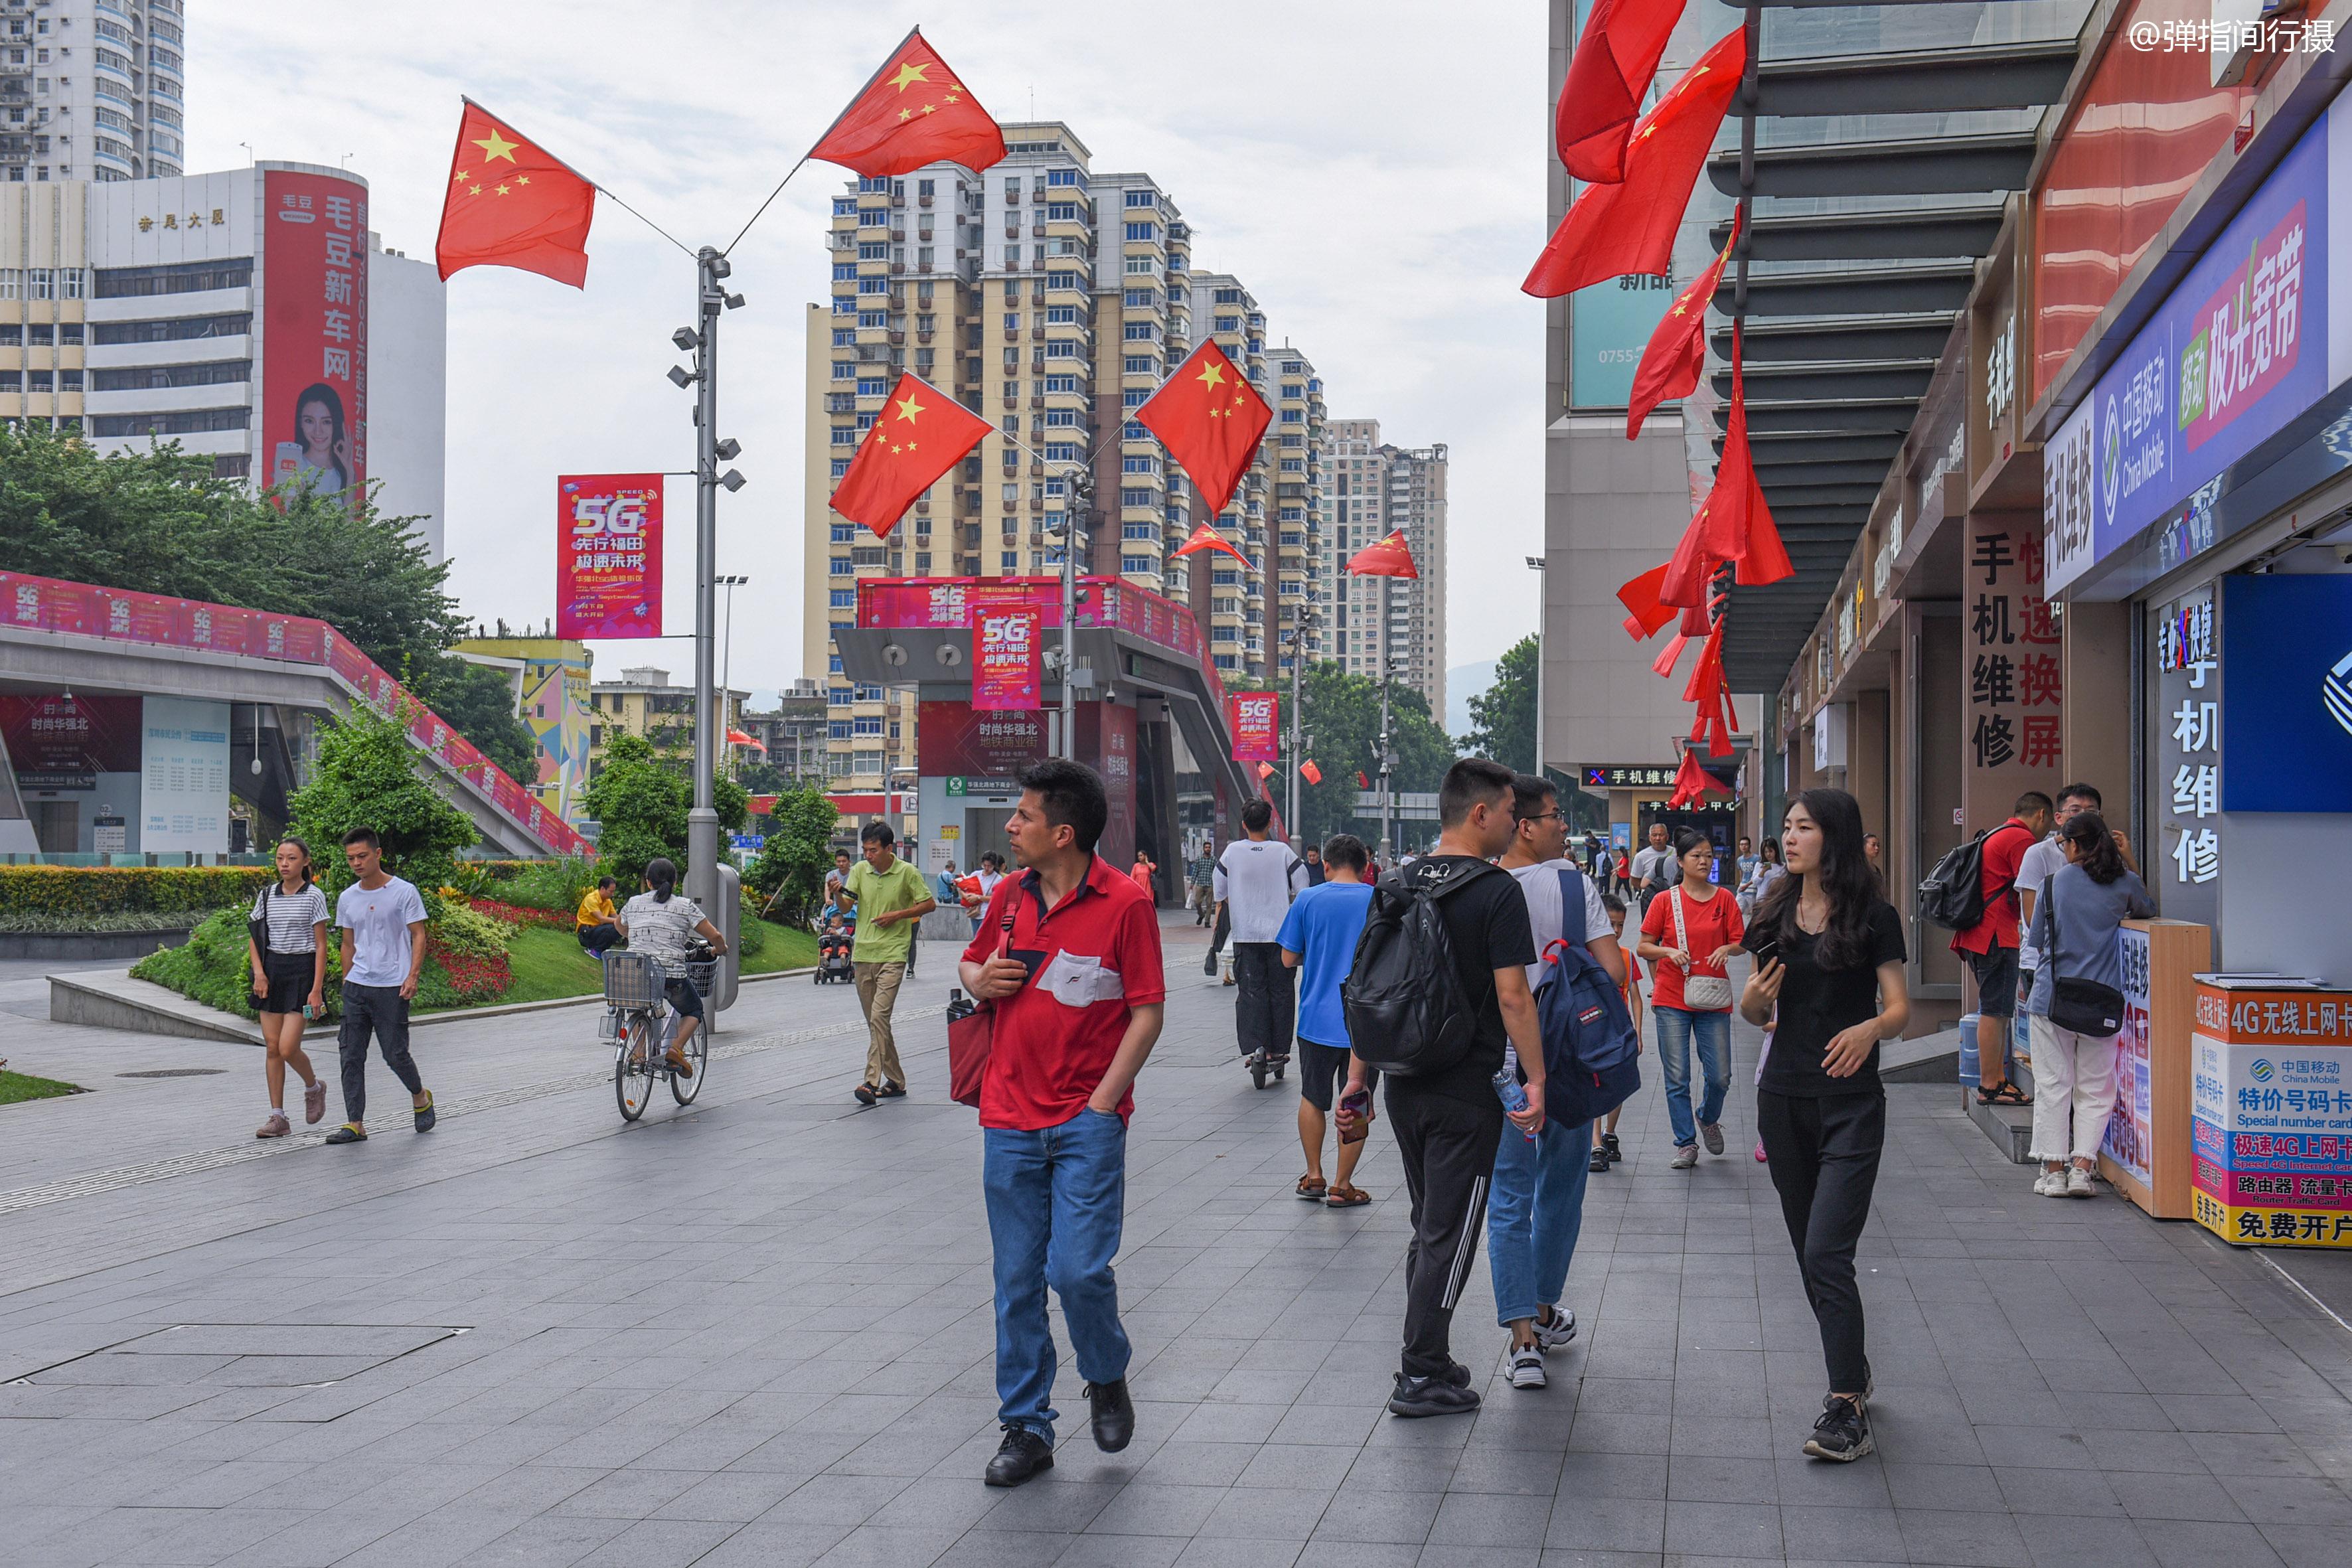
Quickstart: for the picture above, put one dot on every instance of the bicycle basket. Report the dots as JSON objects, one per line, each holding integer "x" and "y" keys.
{"x": 703, "y": 975}
{"x": 632, "y": 980}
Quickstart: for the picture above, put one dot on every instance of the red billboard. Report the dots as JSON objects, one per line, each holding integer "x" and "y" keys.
{"x": 1006, "y": 649}
{"x": 314, "y": 262}
{"x": 954, "y": 740}
{"x": 608, "y": 555}
{"x": 1255, "y": 718}
{"x": 60, "y": 741}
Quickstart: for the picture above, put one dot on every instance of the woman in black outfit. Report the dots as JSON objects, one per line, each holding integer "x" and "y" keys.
{"x": 1830, "y": 952}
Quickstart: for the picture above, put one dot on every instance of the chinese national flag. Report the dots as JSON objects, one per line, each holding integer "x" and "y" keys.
{"x": 1204, "y": 537}
{"x": 1606, "y": 77}
{"x": 920, "y": 435}
{"x": 1677, "y": 350}
{"x": 1209, "y": 417}
{"x": 911, "y": 113}
{"x": 1646, "y": 613}
{"x": 1612, "y": 230}
{"x": 1362, "y": 782}
{"x": 511, "y": 205}
{"x": 1309, "y": 771}
{"x": 1264, "y": 772}
{"x": 1761, "y": 556}
{"x": 1384, "y": 557}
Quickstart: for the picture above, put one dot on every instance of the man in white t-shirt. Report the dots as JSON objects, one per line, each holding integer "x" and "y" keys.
{"x": 2041, "y": 863}
{"x": 382, "y": 920}
{"x": 1257, "y": 878}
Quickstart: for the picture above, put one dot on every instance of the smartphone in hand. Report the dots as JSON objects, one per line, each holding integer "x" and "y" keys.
{"x": 1359, "y": 1108}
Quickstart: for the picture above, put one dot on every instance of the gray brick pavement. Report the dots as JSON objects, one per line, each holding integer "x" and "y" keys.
{"x": 758, "y": 1332}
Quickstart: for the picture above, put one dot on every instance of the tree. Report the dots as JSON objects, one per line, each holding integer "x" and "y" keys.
{"x": 369, "y": 775}
{"x": 1343, "y": 716}
{"x": 1503, "y": 717}
{"x": 791, "y": 868}
{"x": 641, "y": 804}
{"x": 479, "y": 704}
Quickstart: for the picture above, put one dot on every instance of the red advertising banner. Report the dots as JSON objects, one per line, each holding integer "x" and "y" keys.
{"x": 952, "y": 740}
{"x": 56, "y": 741}
{"x": 1254, "y": 718}
{"x": 1006, "y": 648}
{"x": 314, "y": 295}
{"x": 608, "y": 555}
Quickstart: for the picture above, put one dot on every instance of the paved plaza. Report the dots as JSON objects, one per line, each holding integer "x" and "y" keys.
{"x": 758, "y": 1332}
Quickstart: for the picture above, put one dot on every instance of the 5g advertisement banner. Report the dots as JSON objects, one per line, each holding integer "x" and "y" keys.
{"x": 608, "y": 555}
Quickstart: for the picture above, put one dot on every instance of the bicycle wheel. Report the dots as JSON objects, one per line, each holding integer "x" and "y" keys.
{"x": 634, "y": 1072}
{"x": 684, "y": 1089}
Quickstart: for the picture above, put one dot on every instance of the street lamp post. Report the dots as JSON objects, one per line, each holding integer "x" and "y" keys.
{"x": 1297, "y": 709}
{"x": 711, "y": 298}
{"x": 1535, "y": 564}
{"x": 1082, "y": 486}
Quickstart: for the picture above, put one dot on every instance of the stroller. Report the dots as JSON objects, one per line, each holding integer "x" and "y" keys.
{"x": 833, "y": 948}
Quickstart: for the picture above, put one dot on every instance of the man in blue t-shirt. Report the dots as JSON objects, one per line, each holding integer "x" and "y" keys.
{"x": 1318, "y": 940}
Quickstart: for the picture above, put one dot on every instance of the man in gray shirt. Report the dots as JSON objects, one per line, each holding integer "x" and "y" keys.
{"x": 1655, "y": 868}
{"x": 383, "y": 922}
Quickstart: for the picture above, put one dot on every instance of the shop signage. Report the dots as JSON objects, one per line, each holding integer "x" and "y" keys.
{"x": 2014, "y": 687}
{"x": 1625, "y": 776}
{"x": 978, "y": 752}
{"x": 2240, "y": 346}
{"x": 2287, "y": 727}
{"x": 2272, "y": 1102}
{"x": 2131, "y": 1126}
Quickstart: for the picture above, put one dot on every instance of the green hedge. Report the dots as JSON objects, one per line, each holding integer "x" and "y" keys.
{"x": 113, "y": 889}
{"x": 46, "y": 922}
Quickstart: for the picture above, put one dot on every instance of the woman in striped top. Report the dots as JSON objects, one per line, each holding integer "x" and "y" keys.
{"x": 289, "y": 947}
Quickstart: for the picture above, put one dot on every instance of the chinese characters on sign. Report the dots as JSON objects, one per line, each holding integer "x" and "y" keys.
{"x": 608, "y": 555}
{"x": 2132, "y": 1125}
{"x": 1254, "y": 717}
{"x": 1006, "y": 643}
{"x": 2014, "y": 692}
{"x": 2188, "y": 780}
{"x": 2271, "y": 1097}
{"x": 315, "y": 331}
{"x": 1625, "y": 775}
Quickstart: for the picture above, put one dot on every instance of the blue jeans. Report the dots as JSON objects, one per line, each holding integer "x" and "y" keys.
{"x": 1056, "y": 1198}
{"x": 1677, "y": 1029}
{"x": 1535, "y": 1210}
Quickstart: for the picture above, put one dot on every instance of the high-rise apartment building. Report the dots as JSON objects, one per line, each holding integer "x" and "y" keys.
{"x": 1374, "y": 489}
{"x": 90, "y": 89}
{"x": 1052, "y": 301}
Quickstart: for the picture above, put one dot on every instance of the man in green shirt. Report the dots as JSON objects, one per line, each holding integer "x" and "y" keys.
{"x": 890, "y": 896}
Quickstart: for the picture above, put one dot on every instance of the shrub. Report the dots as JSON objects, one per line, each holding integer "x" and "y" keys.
{"x": 367, "y": 776}
{"x": 112, "y": 889}
{"x": 465, "y": 964}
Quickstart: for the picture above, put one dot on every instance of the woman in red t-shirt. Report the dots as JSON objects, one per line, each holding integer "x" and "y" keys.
{"x": 1686, "y": 935}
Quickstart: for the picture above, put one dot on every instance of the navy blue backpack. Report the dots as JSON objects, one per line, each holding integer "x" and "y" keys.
{"x": 1591, "y": 1056}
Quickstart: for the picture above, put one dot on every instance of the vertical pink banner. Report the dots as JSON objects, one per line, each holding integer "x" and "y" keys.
{"x": 1255, "y": 717}
{"x": 1006, "y": 649}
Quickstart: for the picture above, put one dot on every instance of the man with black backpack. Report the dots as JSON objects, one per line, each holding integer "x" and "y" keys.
{"x": 1536, "y": 1209}
{"x": 1438, "y": 991}
{"x": 1989, "y": 945}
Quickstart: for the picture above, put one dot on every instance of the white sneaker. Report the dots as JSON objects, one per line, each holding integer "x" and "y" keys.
{"x": 2050, "y": 1185}
{"x": 2078, "y": 1184}
{"x": 1559, "y": 1331}
{"x": 1684, "y": 1157}
{"x": 1712, "y": 1134}
{"x": 1528, "y": 1368}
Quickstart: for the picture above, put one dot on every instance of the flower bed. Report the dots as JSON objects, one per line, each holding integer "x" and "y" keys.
{"x": 516, "y": 915}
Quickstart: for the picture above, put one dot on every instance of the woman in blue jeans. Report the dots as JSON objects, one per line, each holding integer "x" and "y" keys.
{"x": 1686, "y": 933}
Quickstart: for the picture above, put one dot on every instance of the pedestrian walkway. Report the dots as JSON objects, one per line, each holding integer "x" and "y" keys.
{"x": 760, "y": 1333}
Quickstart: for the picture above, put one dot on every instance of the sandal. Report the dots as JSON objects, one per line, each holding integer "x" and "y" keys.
{"x": 2005, "y": 1093}
{"x": 1311, "y": 1187}
{"x": 1347, "y": 1197}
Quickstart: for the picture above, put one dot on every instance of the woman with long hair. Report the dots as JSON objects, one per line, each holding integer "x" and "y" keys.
{"x": 286, "y": 941}
{"x": 1686, "y": 933}
{"x": 2076, "y": 1008}
{"x": 324, "y": 459}
{"x": 660, "y": 923}
{"x": 1830, "y": 955}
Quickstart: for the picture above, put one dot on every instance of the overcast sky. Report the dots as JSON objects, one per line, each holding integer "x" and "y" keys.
{"x": 1372, "y": 171}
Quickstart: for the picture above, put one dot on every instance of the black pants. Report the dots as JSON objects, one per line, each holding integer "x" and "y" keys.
{"x": 1823, "y": 1156}
{"x": 1447, "y": 1148}
{"x": 598, "y": 938}
{"x": 1267, "y": 1011}
{"x": 382, "y": 1011}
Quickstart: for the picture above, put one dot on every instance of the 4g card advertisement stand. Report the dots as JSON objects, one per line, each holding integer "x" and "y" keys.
{"x": 2273, "y": 1137}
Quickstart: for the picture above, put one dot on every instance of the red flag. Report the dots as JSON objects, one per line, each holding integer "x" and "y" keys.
{"x": 1264, "y": 772}
{"x": 920, "y": 434}
{"x": 1705, "y": 683}
{"x": 511, "y": 205}
{"x": 1692, "y": 782}
{"x": 1387, "y": 556}
{"x": 1611, "y": 230}
{"x": 1204, "y": 537}
{"x": 1209, "y": 417}
{"x": 1607, "y": 77}
{"x": 1664, "y": 663}
{"x": 1677, "y": 350}
{"x": 1362, "y": 782}
{"x": 1762, "y": 557}
{"x": 1309, "y": 771}
{"x": 1706, "y": 545}
{"x": 1698, "y": 620}
{"x": 911, "y": 113}
{"x": 1641, "y": 597}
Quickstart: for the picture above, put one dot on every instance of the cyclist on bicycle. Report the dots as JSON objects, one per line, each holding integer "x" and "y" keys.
{"x": 661, "y": 924}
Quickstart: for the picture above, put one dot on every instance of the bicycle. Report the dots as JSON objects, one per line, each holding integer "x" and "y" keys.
{"x": 638, "y": 1020}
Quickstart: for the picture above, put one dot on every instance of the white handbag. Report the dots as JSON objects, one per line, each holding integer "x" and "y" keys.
{"x": 1701, "y": 993}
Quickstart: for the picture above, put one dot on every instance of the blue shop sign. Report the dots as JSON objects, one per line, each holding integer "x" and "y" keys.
{"x": 2286, "y": 726}
{"x": 2239, "y": 349}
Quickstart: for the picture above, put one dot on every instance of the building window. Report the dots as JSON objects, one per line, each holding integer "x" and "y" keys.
{"x": 1143, "y": 231}
{"x": 183, "y": 278}
{"x": 182, "y": 421}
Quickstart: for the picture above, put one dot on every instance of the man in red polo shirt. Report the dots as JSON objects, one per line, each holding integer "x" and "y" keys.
{"x": 1989, "y": 946}
{"x": 1069, "y": 954}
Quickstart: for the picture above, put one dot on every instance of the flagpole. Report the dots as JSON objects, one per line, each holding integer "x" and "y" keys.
{"x": 1388, "y": 794}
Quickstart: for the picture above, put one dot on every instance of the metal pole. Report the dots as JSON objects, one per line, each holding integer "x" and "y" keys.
{"x": 702, "y": 821}
{"x": 1297, "y": 664}
{"x": 1081, "y": 495}
{"x": 1388, "y": 794}
{"x": 1536, "y": 563}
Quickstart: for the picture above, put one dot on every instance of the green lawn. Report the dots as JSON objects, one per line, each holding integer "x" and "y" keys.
{"x": 548, "y": 964}
{"x": 17, "y": 1085}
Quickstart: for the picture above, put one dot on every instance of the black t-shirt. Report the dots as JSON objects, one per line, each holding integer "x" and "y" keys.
{"x": 1816, "y": 1003}
{"x": 1487, "y": 921}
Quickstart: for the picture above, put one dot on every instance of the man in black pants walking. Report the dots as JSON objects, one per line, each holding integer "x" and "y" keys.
{"x": 1256, "y": 880}
{"x": 1449, "y": 1124}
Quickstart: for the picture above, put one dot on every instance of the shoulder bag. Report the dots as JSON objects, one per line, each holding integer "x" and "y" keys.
{"x": 972, "y": 1031}
{"x": 2079, "y": 1007}
{"x": 257, "y": 924}
{"x": 1701, "y": 993}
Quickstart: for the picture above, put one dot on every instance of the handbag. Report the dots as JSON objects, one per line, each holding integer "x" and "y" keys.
{"x": 971, "y": 1033}
{"x": 2080, "y": 1006}
{"x": 258, "y": 925}
{"x": 1701, "y": 993}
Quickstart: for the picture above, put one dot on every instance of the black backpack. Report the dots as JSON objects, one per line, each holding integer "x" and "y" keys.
{"x": 1952, "y": 895}
{"x": 1406, "y": 1013}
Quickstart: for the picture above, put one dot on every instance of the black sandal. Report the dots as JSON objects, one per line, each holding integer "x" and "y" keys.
{"x": 2005, "y": 1093}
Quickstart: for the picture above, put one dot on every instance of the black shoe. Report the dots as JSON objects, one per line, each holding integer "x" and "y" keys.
{"x": 1114, "y": 1415}
{"x": 346, "y": 1133}
{"x": 1600, "y": 1161}
{"x": 864, "y": 1094}
{"x": 1021, "y": 1456}
{"x": 1615, "y": 1150}
{"x": 892, "y": 1091}
{"x": 425, "y": 1115}
{"x": 1457, "y": 1375}
{"x": 1843, "y": 1431}
{"x": 1430, "y": 1396}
